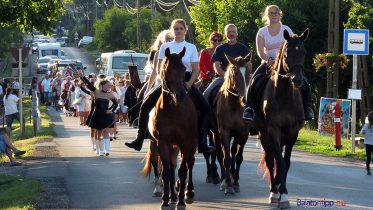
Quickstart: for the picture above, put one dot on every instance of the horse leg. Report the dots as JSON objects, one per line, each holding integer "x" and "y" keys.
{"x": 214, "y": 169}
{"x": 227, "y": 160}
{"x": 157, "y": 192}
{"x": 269, "y": 159}
{"x": 239, "y": 160}
{"x": 280, "y": 172}
{"x": 208, "y": 166}
{"x": 189, "y": 195}
{"x": 284, "y": 200}
{"x": 164, "y": 151}
{"x": 182, "y": 172}
{"x": 173, "y": 192}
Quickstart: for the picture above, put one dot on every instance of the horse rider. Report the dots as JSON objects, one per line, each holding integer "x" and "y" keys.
{"x": 190, "y": 61}
{"x": 268, "y": 41}
{"x": 231, "y": 48}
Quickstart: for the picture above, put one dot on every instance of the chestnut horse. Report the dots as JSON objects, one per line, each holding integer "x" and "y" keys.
{"x": 280, "y": 115}
{"x": 227, "y": 122}
{"x": 174, "y": 122}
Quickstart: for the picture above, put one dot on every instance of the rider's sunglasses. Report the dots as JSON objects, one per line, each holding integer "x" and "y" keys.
{"x": 216, "y": 40}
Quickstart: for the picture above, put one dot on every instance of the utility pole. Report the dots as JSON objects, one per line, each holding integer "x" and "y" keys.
{"x": 138, "y": 25}
{"x": 333, "y": 46}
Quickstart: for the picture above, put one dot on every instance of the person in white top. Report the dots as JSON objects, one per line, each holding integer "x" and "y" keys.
{"x": 368, "y": 139}
{"x": 190, "y": 61}
{"x": 10, "y": 106}
{"x": 47, "y": 89}
{"x": 268, "y": 41}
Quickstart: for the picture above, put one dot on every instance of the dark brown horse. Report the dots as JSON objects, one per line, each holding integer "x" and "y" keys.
{"x": 228, "y": 107}
{"x": 174, "y": 122}
{"x": 280, "y": 113}
{"x": 210, "y": 158}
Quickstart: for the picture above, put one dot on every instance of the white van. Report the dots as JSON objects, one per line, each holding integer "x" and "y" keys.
{"x": 118, "y": 62}
{"x": 49, "y": 49}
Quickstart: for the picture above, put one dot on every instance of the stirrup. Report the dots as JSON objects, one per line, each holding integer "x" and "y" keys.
{"x": 248, "y": 114}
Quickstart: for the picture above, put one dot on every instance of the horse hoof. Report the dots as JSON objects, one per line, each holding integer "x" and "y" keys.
{"x": 229, "y": 191}
{"x": 165, "y": 208}
{"x": 189, "y": 200}
{"x": 189, "y": 197}
{"x": 216, "y": 180}
{"x": 157, "y": 194}
{"x": 237, "y": 189}
{"x": 284, "y": 205}
{"x": 172, "y": 205}
{"x": 223, "y": 185}
{"x": 209, "y": 179}
{"x": 273, "y": 198}
{"x": 181, "y": 207}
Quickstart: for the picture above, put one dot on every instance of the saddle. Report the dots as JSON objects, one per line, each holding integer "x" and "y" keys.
{"x": 258, "y": 83}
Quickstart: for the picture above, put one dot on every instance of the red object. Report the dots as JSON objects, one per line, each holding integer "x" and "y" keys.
{"x": 205, "y": 65}
{"x": 337, "y": 124}
{"x": 15, "y": 53}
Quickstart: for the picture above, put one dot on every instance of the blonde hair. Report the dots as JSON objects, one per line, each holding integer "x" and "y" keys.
{"x": 265, "y": 14}
{"x": 179, "y": 21}
{"x": 162, "y": 38}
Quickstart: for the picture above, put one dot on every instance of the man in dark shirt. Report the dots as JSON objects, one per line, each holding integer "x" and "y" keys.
{"x": 231, "y": 48}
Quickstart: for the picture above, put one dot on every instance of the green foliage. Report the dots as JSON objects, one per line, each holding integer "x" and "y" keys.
{"x": 311, "y": 141}
{"x": 29, "y": 15}
{"x": 19, "y": 192}
{"x": 8, "y": 35}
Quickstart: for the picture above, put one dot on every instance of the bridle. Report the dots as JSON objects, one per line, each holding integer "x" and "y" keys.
{"x": 287, "y": 70}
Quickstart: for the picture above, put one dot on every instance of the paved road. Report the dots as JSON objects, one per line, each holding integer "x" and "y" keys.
{"x": 82, "y": 180}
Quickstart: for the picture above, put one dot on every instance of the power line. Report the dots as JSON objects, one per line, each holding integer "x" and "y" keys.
{"x": 161, "y": 6}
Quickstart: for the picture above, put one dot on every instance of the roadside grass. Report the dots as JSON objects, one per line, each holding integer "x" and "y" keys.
{"x": 27, "y": 141}
{"x": 311, "y": 141}
{"x": 19, "y": 192}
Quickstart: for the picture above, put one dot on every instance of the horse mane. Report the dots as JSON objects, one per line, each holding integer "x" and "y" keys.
{"x": 229, "y": 79}
{"x": 162, "y": 69}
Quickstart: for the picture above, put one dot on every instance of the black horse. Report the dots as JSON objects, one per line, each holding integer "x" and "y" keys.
{"x": 280, "y": 113}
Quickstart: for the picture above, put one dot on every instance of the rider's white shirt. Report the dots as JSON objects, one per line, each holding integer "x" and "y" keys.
{"x": 273, "y": 43}
{"x": 191, "y": 53}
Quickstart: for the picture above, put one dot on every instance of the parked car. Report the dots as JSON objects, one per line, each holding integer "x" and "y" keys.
{"x": 61, "y": 41}
{"x": 85, "y": 40}
{"x": 43, "y": 64}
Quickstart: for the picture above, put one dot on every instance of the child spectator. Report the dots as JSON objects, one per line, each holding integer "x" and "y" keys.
{"x": 368, "y": 140}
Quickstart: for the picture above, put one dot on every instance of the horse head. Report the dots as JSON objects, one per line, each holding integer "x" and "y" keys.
{"x": 291, "y": 57}
{"x": 173, "y": 75}
{"x": 238, "y": 75}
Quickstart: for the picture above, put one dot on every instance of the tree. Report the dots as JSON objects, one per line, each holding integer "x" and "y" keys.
{"x": 29, "y": 15}
{"x": 9, "y": 35}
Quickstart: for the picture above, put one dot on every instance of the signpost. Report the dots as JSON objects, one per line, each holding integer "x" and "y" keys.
{"x": 20, "y": 57}
{"x": 355, "y": 42}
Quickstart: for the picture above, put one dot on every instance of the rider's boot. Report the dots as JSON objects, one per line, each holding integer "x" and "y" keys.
{"x": 248, "y": 113}
{"x": 137, "y": 143}
{"x": 307, "y": 101}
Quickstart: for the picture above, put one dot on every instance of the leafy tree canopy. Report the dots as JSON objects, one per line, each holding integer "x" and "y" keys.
{"x": 29, "y": 15}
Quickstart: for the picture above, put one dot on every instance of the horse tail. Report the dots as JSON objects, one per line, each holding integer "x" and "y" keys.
{"x": 147, "y": 167}
{"x": 262, "y": 168}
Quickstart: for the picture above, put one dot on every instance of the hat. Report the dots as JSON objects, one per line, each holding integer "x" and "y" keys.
{"x": 93, "y": 74}
{"x": 69, "y": 77}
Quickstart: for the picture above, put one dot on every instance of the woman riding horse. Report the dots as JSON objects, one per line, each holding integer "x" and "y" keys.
{"x": 190, "y": 61}
{"x": 280, "y": 113}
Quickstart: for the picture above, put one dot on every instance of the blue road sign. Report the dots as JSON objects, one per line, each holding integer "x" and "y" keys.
{"x": 356, "y": 41}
